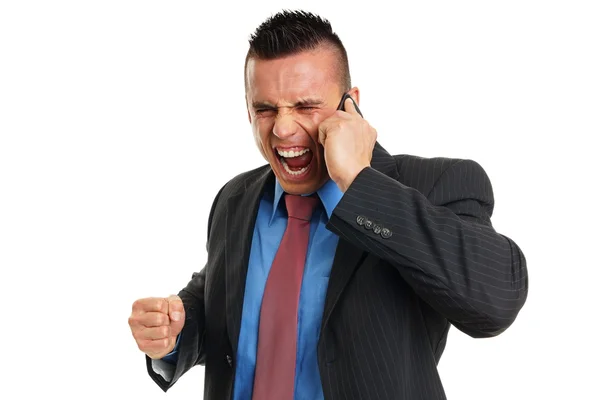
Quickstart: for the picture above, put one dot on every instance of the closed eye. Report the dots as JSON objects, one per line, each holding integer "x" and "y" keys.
{"x": 262, "y": 111}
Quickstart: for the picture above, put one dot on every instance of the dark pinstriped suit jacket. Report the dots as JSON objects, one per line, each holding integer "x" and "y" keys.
{"x": 417, "y": 252}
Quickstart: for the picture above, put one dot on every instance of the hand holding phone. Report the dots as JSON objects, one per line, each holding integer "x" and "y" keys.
{"x": 348, "y": 141}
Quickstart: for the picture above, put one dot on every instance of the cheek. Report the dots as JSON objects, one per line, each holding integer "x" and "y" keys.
{"x": 261, "y": 137}
{"x": 310, "y": 124}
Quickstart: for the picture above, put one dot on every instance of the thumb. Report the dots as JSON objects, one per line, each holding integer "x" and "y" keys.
{"x": 349, "y": 106}
{"x": 176, "y": 314}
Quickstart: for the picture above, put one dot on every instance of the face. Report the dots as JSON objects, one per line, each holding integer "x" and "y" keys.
{"x": 287, "y": 100}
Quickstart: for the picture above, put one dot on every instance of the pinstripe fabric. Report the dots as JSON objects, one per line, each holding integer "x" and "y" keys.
{"x": 417, "y": 252}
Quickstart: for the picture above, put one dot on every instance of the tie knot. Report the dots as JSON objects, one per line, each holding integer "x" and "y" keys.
{"x": 300, "y": 207}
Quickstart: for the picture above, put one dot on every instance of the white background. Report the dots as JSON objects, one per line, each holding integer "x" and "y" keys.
{"x": 120, "y": 120}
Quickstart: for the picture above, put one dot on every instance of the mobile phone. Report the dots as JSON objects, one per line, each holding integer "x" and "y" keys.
{"x": 341, "y": 105}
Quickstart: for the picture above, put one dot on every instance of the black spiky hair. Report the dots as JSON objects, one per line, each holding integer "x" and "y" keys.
{"x": 291, "y": 32}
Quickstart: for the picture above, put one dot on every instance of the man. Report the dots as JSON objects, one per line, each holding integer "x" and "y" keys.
{"x": 336, "y": 270}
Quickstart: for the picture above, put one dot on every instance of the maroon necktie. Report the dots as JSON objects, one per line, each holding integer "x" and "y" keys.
{"x": 277, "y": 332}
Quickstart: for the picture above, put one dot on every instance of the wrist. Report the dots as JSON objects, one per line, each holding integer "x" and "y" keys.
{"x": 350, "y": 174}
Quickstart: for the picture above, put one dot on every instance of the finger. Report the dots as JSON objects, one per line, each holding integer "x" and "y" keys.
{"x": 155, "y": 333}
{"x": 176, "y": 314}
{"x": 150, "y": 304}
{"x": 153, "y": 346}
{"x": 151, "y": 319}
{"x": 175, "y": 308}
{"x": 322, "y": 133}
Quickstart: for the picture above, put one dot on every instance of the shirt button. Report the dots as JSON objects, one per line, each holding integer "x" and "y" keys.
{"x": 386, "y": 233}
{"x": 369, "y": 224}
{"x": 377, "y": 229}
{"x": 360, "y": 220}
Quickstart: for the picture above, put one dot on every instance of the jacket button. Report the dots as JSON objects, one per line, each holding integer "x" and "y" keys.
{"x": 360, "y": 220}
{"x": 377, "y": 229}
{"x": 229, "y": 360}
{"x": 369, "y": 224}
{"x": 386, "y": 233}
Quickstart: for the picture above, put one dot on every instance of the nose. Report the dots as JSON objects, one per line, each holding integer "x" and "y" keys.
{"x": 285, "y": 126}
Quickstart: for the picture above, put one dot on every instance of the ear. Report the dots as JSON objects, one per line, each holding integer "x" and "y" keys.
{"x": 249, "y": 118}
{"x": 355, "y": 94}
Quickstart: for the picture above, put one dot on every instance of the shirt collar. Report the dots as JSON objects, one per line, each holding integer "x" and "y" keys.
{"x": 329, "y": 194}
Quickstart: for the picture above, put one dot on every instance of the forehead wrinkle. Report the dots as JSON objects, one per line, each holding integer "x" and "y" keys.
{"x": 290, "y": 81}
{"x": 294, "y": 93}
{"x": 302, "y": 101}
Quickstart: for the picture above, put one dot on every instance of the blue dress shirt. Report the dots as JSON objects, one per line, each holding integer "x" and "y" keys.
{"x": 271, "y": 223}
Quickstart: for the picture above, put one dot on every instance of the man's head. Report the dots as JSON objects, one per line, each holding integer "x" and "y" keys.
{"x": 295, "y": 74}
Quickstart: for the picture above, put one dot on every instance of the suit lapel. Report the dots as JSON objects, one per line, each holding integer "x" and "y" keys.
{"x": 242, "y": 209}
{"x": 347, "y": 256}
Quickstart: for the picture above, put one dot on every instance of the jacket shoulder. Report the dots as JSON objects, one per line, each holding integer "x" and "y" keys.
{"x": 241, "y": 181}
{"x": 422, "y": 173}
{"x": 235, "y": 185}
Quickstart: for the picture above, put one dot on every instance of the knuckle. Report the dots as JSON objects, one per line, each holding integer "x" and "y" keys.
{"x": 164, "y": 331}
{"x": 164, "y": 305}
{"x": 161, "y": 319}
{"x": 136, "y": 305}
{"x": 136, "y": 332}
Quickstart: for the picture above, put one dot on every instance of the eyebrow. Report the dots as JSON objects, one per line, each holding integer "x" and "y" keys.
{"x": 300, "y": 103}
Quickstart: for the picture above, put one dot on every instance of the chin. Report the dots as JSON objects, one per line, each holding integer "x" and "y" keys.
{"x": 307, "y": 182}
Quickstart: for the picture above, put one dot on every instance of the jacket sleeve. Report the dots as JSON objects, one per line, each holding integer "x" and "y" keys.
{"x": 442, "y": 243}
{"x": 191, "y": 339}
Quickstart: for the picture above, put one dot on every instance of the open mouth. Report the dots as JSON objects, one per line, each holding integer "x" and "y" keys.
{"x": 296, "y": 162}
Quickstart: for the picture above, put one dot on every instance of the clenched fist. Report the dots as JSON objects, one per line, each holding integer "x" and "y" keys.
{"x": 155, "y": 323}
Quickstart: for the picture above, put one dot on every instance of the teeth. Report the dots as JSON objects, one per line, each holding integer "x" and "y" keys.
{"x": 289, "y": 171}
{"x": 290, "y": 154}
